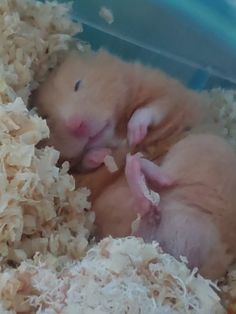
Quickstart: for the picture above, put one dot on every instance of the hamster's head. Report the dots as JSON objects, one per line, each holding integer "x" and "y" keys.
{"x": 82, "y": 101}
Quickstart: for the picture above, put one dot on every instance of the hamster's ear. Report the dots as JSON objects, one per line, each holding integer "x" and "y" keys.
{"x": 102, "y": 51}
{"x": 103, "y": 54}
{"x": 74, "y": 54}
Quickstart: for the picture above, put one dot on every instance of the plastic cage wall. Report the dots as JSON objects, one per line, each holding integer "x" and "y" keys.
{"x": 192, "y": 40}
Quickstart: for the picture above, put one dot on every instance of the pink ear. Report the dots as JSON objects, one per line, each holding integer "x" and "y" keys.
{"x": 77, "y": 126}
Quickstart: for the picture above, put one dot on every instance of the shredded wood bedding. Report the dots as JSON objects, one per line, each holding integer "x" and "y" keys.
{"x": 47, "y": 263}
{"x": 116, "y": 276}
{"x": 38, "y": 204}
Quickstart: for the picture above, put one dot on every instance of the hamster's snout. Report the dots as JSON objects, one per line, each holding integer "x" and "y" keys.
{"x": 77, "y": 126}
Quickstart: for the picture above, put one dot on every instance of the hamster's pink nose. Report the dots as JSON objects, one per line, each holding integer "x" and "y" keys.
{"x": 77, "y": 126}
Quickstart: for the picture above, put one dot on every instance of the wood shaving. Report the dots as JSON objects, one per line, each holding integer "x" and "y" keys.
{"x": 152, "y": 196}
{"x": 133, "y": 277}
{"x": 110, "y": 163}
{"x": 106, "y": 14}
{"x": 39, "y": 207}
{"x": 223, "y": 107}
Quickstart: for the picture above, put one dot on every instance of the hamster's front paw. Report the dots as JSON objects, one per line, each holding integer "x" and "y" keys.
{"x": 95, "y": 158}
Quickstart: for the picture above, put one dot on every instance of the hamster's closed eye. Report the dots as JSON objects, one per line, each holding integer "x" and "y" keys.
{"x": 77, "y": 85}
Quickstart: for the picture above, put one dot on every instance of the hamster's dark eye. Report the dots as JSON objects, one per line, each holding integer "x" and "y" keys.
{"x": 77, "y": 84}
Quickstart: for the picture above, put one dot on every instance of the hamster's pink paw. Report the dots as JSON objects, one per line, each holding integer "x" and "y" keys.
{"x": 95, "y": 158}
{"x": 155, "y": 174}
{"x": 137, "y": 183}
{"x": 138, "y": 170}
{"x": 138, "y": 125}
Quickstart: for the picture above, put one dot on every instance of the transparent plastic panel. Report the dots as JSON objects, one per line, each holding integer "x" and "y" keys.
{"x": 193, "y": 40}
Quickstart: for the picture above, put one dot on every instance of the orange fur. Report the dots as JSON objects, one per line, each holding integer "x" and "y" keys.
{"x": 111, "y": 90}
{"x": 197, "y": 213}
